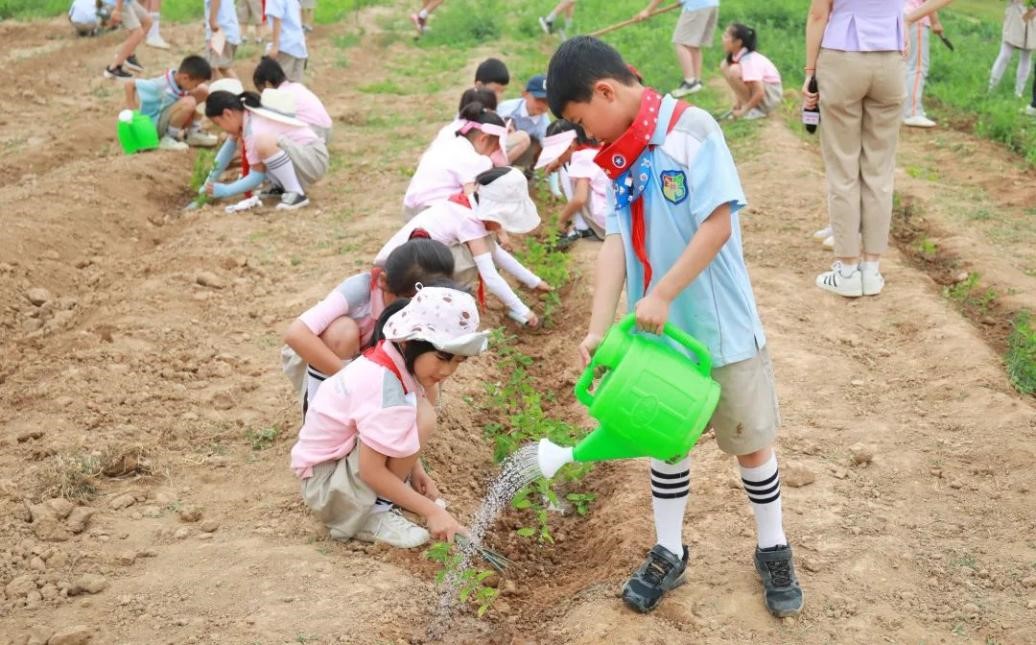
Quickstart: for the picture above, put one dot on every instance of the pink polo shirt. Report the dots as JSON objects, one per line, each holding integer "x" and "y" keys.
{"x": 256, "y": 124}
{"x": 445, "y": 168}
{"x": 308, "y": 107}
{"x": 582, "y": 166}
{"x": 366, "y": 401}
{"x": 756, "y": 67}
{"x": 353, "y": 298}
{"x": 445, "y": 221}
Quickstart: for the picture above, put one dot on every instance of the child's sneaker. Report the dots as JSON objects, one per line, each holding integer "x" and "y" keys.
{"x": 133, "y": 64}
{"x": 1030, "y": 110}
{"x": 169, "y": 143}
{"x": 918, "y": 121}
{"x": 829, "y": 242}
{"x": 781, "y": 589}
{"x": 292, "y": 201}
{"x": 823, "y": 233}
{"x": 392, "y": 528}
{"x": 201, "y": 139}
{"x": 687, "y": 88}
{"x": 873, "y": 282}
{"x": 754, "y": 114}
{"x": 157, "y": 42}
{"x": 546, "y": 25}
{"x": 116, "y": 73}
{"x": 661, "y": 572}
{"x": 420, "y": 23}
{"x": 835, "y": 281}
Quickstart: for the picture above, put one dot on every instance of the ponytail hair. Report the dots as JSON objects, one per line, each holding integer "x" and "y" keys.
{"x": 483, "y": 95}
{"x": 217, "y": 102}
{"x": 746, "y": 35}
{"x": 268, "y": 73}
{"x": 477, "y": 112}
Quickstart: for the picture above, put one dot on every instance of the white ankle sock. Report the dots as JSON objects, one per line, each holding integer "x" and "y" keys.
{"x": 670, "y": 486}
{"x": 153, "y": 32}
{"x": 763, "y": 485}
{"x": 870, "y": 267}
{"x": 423, "y": 14}
{"x": 280, "y": 168}
{"x": 848, "y": 269}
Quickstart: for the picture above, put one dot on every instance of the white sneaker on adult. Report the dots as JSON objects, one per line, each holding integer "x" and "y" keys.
{"x": 169, "y": 143}
{"x": 918, "y": 121}
{"x": 824, "y": 233}
{"x": 873, "y": 282}
{"x": 157, "y": 42}
{"x": 829, "y": 242}
{"x": 850, "y": 286}
{"x": 392, "y": 528}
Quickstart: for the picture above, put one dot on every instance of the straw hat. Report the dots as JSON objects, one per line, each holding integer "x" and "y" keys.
{"x": 446, "y": 318}
{"x": 506, "y": 201}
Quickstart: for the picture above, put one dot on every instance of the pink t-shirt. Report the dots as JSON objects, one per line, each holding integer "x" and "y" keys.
{"x": 582, "y": 166}
{"x": 362, "y": 400}
{"x": 308, "y": 107}
{"x": 445, "y": 221}
{"x": 354, "y": 298}
{"x": 756, "y": 67}
{"x": 911, "y": 5}
{"x": 256, "y": 124}
{"x": 445, "y": 168}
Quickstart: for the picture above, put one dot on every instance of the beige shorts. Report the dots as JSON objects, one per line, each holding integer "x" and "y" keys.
{"x": 224, "y": 60}
{"x": 465, "y": 272}
{"x": 164, "y": 120}
{"x": 250, "y": 11}
{"x": 132, "y": 15}
{"x": 294, "y": 68}
{"x": 773, "y": 95}
{"x": 87, "y": 28}
{"x": 338, "y": 496}
{"x": 696, "y": 28}
{"x": 748, "y": 415}
{"x": 308, "y": 4}
{"x": 310, "y": 160}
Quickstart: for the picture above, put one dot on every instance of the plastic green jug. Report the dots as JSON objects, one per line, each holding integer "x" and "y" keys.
{"x": 653, "y": 400}
{"x": 136, "y": 132}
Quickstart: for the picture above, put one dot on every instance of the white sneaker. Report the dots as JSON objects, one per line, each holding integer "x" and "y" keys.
{"x": 823, "y": 233}
{"x": 1030, "y": 110}
{"x": 754, "y": 114}
{"x": 835, "y": 282}
{"x": 201, "y": 139}
{"x": 169, "y": 143}
{"x": 873, "y": 282}
{"x": 392, "y": 528}
{"x": 918, "y": 122}
{"x": 157, "y": 42}
{"x": 829, "y": 242}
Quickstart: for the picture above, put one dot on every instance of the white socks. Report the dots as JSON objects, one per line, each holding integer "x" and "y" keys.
{"x": 869, "y": 267}
{"x": 670, "y": 486}
{"x": 153, "y": 32}
{"x": 281, "y": 170}
{"x": 763, "y": 485}
{"x": 423, "y": 14}
{"x": 848, "y": 269}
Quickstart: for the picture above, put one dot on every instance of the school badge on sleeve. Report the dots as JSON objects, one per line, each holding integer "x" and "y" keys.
{"x": 674, "y": 185}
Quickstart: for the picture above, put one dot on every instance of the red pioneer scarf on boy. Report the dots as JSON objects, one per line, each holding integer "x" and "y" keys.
{"x": 629, "y": 168}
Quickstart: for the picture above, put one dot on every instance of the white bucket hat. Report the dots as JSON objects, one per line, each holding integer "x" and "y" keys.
{"x": 507, "y": 202}
{"x": 554, "y": 146}
{"x": 446, "y": 318}
{"x": 231, "y": 85}
{"x": 277, "y": 105}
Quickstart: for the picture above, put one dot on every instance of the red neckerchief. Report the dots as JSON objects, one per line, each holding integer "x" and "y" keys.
{"x": 462, "y": 199}
{"x": 245, "y": 168}
{"x": 579, "y": 147}
{"x": 617, "y": 158}
{"x": 378, "y": 356}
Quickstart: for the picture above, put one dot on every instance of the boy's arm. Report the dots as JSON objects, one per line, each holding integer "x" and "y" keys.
{"x": 646, "y": 13}
{"x": 214, "y": 15}
{"x": 609, "y": 278}
{"x": 275, "y": 38}
{"x": 653, "y": 309}
{"x": 131, "y": 95}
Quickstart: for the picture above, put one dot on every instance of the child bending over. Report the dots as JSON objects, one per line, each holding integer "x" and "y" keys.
{"x": 359, "y": 451}
{"x": 308, "y": 108}
{"x": 170, "y": 101}
{"x": 569, "y": 152}
{"x": 752, "y": 77}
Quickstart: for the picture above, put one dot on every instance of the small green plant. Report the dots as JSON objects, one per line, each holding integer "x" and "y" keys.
{"x": 1021, "y": 354}
{"x": 581, "y": 502}
{"x": 262, "y": 439}
{"x": 199, "y": 175}
{"x": 472, "y": 580}
{"x": 927, "y": 248}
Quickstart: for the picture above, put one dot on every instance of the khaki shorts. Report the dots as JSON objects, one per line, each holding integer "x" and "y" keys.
{"x": 465, "y": 272}
{"x": 338, "y": 496}
{"x": 224, "y": 60}
{"x": 294, "y": 68}
{"x": 87, "y": 28}
{"x": 310, "y": 160}
{"x": 308, "y": 4}
{"x": 773, "y": 95}
{"x": 164, "y": 120}
{"x": 250, "y": 11}
{"x": 748, "y": 415}
{"x": 132, "y": 15}
{"x": 696, "y": 28}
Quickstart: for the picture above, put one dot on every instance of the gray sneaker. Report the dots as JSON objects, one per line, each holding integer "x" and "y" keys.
{"x": 292, "y": 201}
{"x": 687, "y": 88}
{"x": 781, "y": 589}
{"x": 661, "y": 572}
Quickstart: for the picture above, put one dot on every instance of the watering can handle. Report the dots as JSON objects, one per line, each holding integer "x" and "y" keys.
{"x": 583, "y": 386}
{"x": 689, "y": 342}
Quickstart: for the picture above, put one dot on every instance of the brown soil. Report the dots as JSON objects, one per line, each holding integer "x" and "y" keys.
{"x": 134, "y": 378}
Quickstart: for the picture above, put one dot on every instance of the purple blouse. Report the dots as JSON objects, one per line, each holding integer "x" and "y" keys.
{"x": 865, "y": 26}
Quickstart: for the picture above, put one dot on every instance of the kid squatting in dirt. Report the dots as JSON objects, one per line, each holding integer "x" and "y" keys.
{"x": 171, "y": 100}
{"x": 675, "y": 230}
{"x": 358, "y": 451}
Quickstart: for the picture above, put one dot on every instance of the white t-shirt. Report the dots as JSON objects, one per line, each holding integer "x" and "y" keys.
{"x": 83, "y": 12}
{"x": 445, "y": 168}
{"x": 445, "y": 221}
{"x": 582, "y": 166}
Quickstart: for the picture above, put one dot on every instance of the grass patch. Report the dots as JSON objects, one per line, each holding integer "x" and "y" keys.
{"x": 1021, "y": 354}
{"x": 76, "y": 475}
{"x": 384, "y": 87}
{"x": 262, "y": 439}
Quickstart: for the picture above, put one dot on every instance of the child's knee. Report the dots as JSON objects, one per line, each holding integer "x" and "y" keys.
{"x": 342, "y": 337}
{"x": 266, "y": 144}
{"x": 733, "y": 71}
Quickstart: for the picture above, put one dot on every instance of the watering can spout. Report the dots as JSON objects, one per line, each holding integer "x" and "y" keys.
{"x": 551, "y": 457}
{"x": 602, "y": 445}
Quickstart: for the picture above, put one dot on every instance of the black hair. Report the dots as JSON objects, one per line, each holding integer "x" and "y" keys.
{"x": 479, "y": 113}
{"x": 196, "y": 67}
{"x": 561, "y": 125}
{"x": 577, "y": 65}
{"x": 492, "y": 70}
{"x": 487, "y": 177}
{"x": 268, "y": 72}
{"x": 745, "y": 34}
{"x": 417, "y": 260}
{"x": 483, "y": 95}
{"x": 220, "y": 100}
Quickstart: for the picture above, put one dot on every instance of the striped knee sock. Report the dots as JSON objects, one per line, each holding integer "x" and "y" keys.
{"x": 670, "y": 486}
{"x": 282, "y": 171}
{"x": 763, "y": 485}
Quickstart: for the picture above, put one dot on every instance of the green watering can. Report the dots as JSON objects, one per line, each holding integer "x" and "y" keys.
{"x": 653, "y": 401}
{"x": 136, "y": 132}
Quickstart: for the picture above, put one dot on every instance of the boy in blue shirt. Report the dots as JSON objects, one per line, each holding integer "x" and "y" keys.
{"x": 673, "y": 238}
{"x": 528, "y": 119}
{"x": 171, "y": 101}
{"x": 287, "y": 39}
{"x": 221, "y": 16}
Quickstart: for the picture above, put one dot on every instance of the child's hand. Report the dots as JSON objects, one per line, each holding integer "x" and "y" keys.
{"x": 504, "y": 240}
{"x": 544, "y": 287}
{"x": 652, "y": 313}
{"x": 443, "y": 526}
{"x": 272, "y": 51}
{"x": 588, "y": 347}
{"x": 210, "y": 189}
{"x": 642, "y": 15}
{"x": 422, "y": 483}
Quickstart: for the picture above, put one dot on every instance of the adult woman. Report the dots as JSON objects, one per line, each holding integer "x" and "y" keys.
{"x": 855, "y": 49}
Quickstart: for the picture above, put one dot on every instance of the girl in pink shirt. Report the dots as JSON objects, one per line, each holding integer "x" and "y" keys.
{"x": 308, "y": 107}
{"x": 754, "y": 79}
{"x": 569, "y": 152}
{"x": 358, "y": 451}
{"x": 332, "y": 332}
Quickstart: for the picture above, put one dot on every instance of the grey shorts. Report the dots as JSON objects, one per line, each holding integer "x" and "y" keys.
{"x": 294, "y": 68}
{"x": 224, "y": 60}
{"x": 310, "y": 160}
{"x": 748, "y": 415}
{"x": 773, "y": 95}
{"x": 250, "y": 11}
{"x": 87, "y": 28}
{"x": 338, "y": 496}
{"x": 164, "y": 119}
{"x": 465, "y": 272}
{"x": 308, "y": 4}
{"x": 132, "y": 15}
{"x": 696, "y": 28}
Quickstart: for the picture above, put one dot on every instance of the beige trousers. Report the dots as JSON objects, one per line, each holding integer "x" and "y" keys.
{"x": 861, "y": 104}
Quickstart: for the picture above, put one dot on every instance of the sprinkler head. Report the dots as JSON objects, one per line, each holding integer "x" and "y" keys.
{"x": 550, "y": 457}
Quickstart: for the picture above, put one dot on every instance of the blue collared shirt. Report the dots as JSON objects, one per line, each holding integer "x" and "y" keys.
{"x": 516, "y": 110}
{"x": 293, "y": 39}
{"x": 226, "y": 18}
{"x": 691, "y": 174}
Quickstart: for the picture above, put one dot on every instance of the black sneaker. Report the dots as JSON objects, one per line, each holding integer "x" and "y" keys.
{"x": 661, "y": 572}
{"x": 292, "y": 201}
{"x": 781, "y": 588}
{"x": 589, "y": 234}
{"x": 271, "y": 191}
{"x": 116, "y": 73}
{"x": 687, "y": 88}
{"x": 547, "y": 26}
{"x": 133, "y": 64}
{"x": 566, "y": 241}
